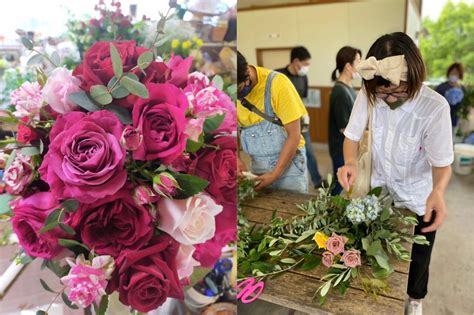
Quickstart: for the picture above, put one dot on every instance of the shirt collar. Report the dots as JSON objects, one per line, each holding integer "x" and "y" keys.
{"x": 407, "y": 107}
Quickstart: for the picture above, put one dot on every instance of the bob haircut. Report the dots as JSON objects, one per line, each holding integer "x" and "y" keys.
{"x": 395, "y": 44}
{"x": 458, "y": 66}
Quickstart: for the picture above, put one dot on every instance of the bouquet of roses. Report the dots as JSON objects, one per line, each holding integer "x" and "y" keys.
{"x": 121, "y": 175}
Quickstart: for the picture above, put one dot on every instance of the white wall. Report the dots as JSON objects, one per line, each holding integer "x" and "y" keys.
{"x": 323, "y": 29}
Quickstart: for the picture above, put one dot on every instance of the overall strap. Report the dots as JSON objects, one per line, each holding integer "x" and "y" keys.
{"x": 268, "y": 94}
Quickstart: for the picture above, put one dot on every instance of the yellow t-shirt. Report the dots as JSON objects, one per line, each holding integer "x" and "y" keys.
{"x": 286, "y": 102}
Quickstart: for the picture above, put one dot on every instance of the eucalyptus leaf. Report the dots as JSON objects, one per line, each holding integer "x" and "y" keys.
{"x": 218, "y": 82}
{"x": 29, "y": 151}
{"x": 116, "y": 61}
{"x": 145, "y": 59}
{"x": 101, "y": 94}
{"x": 84, "y": 101}
{"x": 35, "y": 59}
{"x": 27, "y": 43}
{"x": 46, "y": 286}
{"x": 4, "y": 204}
{"x": 122, "y": 113}
{"x": 116, "y": 89}
{"x": 134, "y": 86}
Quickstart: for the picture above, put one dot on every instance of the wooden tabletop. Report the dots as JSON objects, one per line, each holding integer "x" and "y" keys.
{"x": 295, "y": 289}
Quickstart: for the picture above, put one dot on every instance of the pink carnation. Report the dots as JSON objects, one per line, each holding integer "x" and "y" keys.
{"x": 57, "y": 89}
{"x": 19, "y": 174}
{"x": 194, "y": 128}
{"x": 28, "y": 100}
{"x": 335, "y": 243}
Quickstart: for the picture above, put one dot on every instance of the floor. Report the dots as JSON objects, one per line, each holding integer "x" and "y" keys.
{"x": 451, "y": 284}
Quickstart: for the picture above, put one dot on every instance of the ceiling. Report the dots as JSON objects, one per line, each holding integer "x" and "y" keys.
{"x": 247, "y": 4}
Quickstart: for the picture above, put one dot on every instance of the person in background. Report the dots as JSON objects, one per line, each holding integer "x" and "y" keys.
{"x": 452, "y": 90}
{"x": 412, "y": 147}
{"x": 341, "y": 101}
{"x": 268, "y": 112}
{"x": 296, "y": 71}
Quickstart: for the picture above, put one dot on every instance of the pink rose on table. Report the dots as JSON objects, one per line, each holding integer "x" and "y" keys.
{"x": 185, "y": 262}
{"x": 28, "y": 219}
{"x": 335, "y": 243}
{"x": 87, "y": 280}
{"x": 85, "y": 160}
{"x": 145, "y": 278}
{"x": 162, "y": 122}
{"x": 179, "y": 70}
{"x": 113, "y": 224}
{"x": 328, "y": 259}
{"x": 351, "y": 258}
{"x": 194, "y": 128}
{"x": 190, "y": 221}
{"x": 131, "y": 138}
{"x": 19, "y": 174}
{"x": 28, "y": 100}
{"x": 57, "y": 89}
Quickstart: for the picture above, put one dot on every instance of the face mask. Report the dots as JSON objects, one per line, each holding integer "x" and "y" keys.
{"x": 303, "y": 71}
{"x": 453, "y": 78}
{"x": 245, "y": 91}
{"x": 396, "y": 104}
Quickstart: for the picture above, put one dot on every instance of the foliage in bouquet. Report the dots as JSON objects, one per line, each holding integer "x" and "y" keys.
{"x": 111, "y": 24}
{"x": 355, "y": 240}
{"x": 126, "y": 167}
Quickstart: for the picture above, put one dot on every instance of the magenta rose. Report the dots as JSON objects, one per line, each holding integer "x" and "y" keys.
{"x": 28, "y": 219}
{"x": 351, "y": 258}
{"x": 145, "y": 278}
{"x": 85, "y": 160}
{"x": 179, "y": 70}
{"x": 113, "y": 224}
{"x": 335, "y": 243}
{"x": 328, "y": 259}
{"x": 208, "y": 253}
{"x": 162, "y": 122}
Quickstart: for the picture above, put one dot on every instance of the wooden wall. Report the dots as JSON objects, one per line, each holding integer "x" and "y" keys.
{"x": 319, "y": 117}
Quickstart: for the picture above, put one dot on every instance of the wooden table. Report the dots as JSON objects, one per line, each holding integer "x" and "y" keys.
{"x": 295, "y": 289}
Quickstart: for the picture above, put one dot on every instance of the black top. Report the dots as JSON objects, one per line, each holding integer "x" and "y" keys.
{"x": 340, "y": 107}
{"x": 300, "y": 82}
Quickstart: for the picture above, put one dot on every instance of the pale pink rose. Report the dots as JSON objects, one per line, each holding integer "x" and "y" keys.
{"x": 19, "y": 174}
{"x": 185, "y": 262}
{"x": 335, "y": 243}
{"x": 328, "y": 259}
{"x": 28, "y": 100}
{"x": 87, "y": 281}
{"x": 351, "y": 258}
{"x": 198, "y": 79}
{"x": 131, "y": 138}
{"x": 191, "y": 221}
{"x": 57, "y": 89}
{"x": 194, "y": 128}
{"x": 165, "y": 184}
{"x": 143, "y": 195}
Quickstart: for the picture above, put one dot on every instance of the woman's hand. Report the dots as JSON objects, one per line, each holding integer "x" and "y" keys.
{"x": 435, "y": 202}
{"x": 346, "y": 175}
{"x": 240, "y": 167}
{"x": 265, "y": 180}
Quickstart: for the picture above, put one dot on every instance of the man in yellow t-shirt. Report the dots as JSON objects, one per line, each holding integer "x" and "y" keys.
{"x": 269, "y": 111}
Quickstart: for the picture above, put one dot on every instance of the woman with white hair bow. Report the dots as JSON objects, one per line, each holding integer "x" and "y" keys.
{"x": 410, "y": 142}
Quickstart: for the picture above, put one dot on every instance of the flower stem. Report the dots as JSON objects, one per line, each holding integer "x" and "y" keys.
{"x": 54, "y": 300}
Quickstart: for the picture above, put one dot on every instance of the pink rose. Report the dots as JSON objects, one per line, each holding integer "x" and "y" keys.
{"x": 199, "y": 80}
{"x": 194, "y": 128}
{"x": 328, "y": 259}
{"x": 185, "y": 262}
{"x": 162, "y": 122}
{"x": 190, "y": 221}
{"x": 335, "y": 243}
{"x": 165, "y": 184}
{"x": 85, "y": 160}
{"x": 351, "y": 258}
{"x": 145, "y": 278}
{"x": 179, "y": 70}
{"x": 87, "y": 281}
{"x": 28, "y": 219}
{"x": 28, "y": 100}
{"x": 113, "y": 224}
{"x": 19, "y": 174}
{"x": 143, "y": 195}
{"x": 25, "y": 134}
{"x": 208, "y": 253}
{"x": 57, "y": 89}
{"x": 181, "y": 163}
{"x": 131, "y": 138}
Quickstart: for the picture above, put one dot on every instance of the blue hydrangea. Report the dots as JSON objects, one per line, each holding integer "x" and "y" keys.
{"x": 365, "y": 209}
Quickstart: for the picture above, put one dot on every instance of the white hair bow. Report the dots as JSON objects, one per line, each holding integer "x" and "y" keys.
{"x": 393, "y": 69}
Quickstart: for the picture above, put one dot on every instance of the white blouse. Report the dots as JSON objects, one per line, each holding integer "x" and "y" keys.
{"x": 407, "y": 143}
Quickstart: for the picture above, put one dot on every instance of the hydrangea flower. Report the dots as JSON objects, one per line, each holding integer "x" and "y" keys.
{"x": 365, "y": 209}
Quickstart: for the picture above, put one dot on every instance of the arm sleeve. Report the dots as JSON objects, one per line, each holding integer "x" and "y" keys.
{"x": 438, "y": 141}
{"x": 342, "y": 108}
{"x": 286, "y": 101}
{"x": 358, "y": 119}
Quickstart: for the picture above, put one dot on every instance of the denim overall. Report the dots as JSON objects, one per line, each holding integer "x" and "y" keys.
{"x": 264, "y": 142}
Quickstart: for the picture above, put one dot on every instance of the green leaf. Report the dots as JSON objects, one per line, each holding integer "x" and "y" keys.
{"x": 145, "y": 60}
{"x": 71, "y": 243}
{"x": 25, "y": 259}
{"x": 275, "y": 253}
{"x": 66, "y": 228}
{"x": 374, "y": 248}
{"x": 375, "y": 192}
{"x": 354, "y": 272}
{"x": 104, "y": 303}
{"x": 190, "y": 185}
{"x": 34, "y": 60}
{"x": 382, "y": 273}
{"x": 339, "y": 278}
{"x": 57, "y": 269}
{"x": 116, "y": 61}
{"x": 118, "y": 91}
{"x": 46, "y": 286}
{"x": 67, "y": 302}
{"x": 382, "y": 262}
{"x": 70, "y": 205}
{"x": 134, "y": 86}
{"x": 122, "y": 113}
{"x": 288, "y": 261}
{"x": 218, "y": 82}
{"x": 84, "y": 101}
{"x": 4, "y": 203}
{"x": 52, "y": 220}
{"x": 325, "y": 288}
{"x": 365, "y": 243}
{"x": 305, "y": 235}
{"x": 310, "y": 262}
{"x": 385, "y": 214}
{"x": 101, "y": 94}
{"x": 27, "y": 43}
{"x": 232, "y": 91}
{"x": 163, "y": 40}
{"x": 193, "y": 146}
{"x": 29, "y": 151}
{"x": 41, "y": 312}
{"x": 212, "y": 123}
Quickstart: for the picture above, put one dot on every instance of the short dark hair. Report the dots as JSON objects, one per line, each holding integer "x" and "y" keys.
{"x": 395, "y": 44}
{"x": 300, "y": 53}
{"x": 242, "y": 65}
{"x": 345, "y": 55}
{"x": 458, "y": 66}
